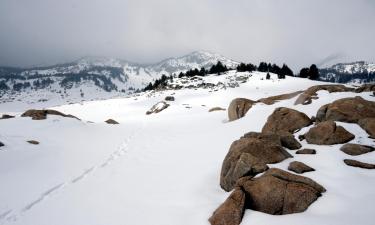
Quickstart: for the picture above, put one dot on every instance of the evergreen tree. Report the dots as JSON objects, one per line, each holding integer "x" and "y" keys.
{"x": 268, "y": 76}
{"x": 285, "y": 70}
{"x": 304, "y": 73}
{"x": 313, "y": 72}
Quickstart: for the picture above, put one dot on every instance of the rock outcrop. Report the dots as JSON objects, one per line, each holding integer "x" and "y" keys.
{"x": 169, "y": 98}
{"x": 216, "y": 109}
{"x": 158, "y": 107}
{"x": 249, "y": 156}
{"x": 286, "y": 120}
{"x": 6, "y": 116}
{"x": 349, "y": 110}
{"x": 1, "y": 144}
{"x": 231, "y": 211}
{"x": 311, "y": 93}
{"x": 33, "y": 142}
{"x": 368, "y": 124}
{"x": 278, "y": 192}
{"x": 111, "y": 121}
{"x": 36, "y": 114}
{"x": 273, "y": 99}
{"x": 356, "y": 149}
{"x": 239, "y": 107}
{"x": 327, "y": 133}
{"x": 299, "y": 167}
{"x": 307, "y": 151}
{"x": 355, "y": 163}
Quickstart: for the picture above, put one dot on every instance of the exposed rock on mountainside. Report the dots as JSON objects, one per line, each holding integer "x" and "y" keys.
{"x": 239, "y": 107}
{"x": 111, "y": 121}
{"x": 356, "y": 163}
{"x": 158, "y": 107}
{"x": 299, "y": 167}
{"x": 6, "y": 116}
{"x": 278, "y": 192}
{"x": 1, "y": 144}
{"x": 286, "y": 120}
{"x": 311, "y": 93}
{"x": 33, "y": 142}
{"x": 368, "y": 124}
{"x": 273, "y": 99}
{"x": 169, "y": 98}
{"x": 249, "y": 156}
{"x": 349, "y": 110}
{"x": 231, "y": 211}
{"x": 356, "y": 149}
{"x": 327, "y": 133}
{"x": 306, "y": 151}
{"x": 216, "y": 109}
{"x": 36, "y": 114}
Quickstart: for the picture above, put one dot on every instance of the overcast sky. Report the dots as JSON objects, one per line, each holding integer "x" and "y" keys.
{"x": 297, "y": 32}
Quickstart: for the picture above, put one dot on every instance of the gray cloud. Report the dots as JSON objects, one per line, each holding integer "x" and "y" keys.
{"x": 297, "y": 32}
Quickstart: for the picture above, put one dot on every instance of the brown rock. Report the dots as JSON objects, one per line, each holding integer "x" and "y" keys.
{"x": 327, "y": 133}
{"x": 231, "y": 211}
{"x": 355, "y": 163}
{"x": 33, "y": 142}
{"x": 299, "y": 167}
{"x": 6, "y": 116}
{"x": 249, "y": 156}
{"x": 278, "y": 192}
{"x": 216, "y": 109}
{"x": 311, "y": 93}
{"x": 368, "y": 124}
{"x": 239, "y": 107}
{"x": 349, "y": 110}
{"x": 356, "y": 149}
{"x": 285, "y": 120}
{"x": 158, "y": 107}
{"x": 273, "y": 99}
{"x": 306, "y": 151}
{"x": 288, "y": 141}
{"x": 111, "y": 121}
{"x": 169, "y": 98}
{"x": 365, "y": 88}
{"x": 284, "y": 139}
{"x": 36, "y": 114}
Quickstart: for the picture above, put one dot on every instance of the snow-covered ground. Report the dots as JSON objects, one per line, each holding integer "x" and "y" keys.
{"x": 163, "y": 169}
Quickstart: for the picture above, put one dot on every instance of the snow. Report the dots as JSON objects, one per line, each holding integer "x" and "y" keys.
{"x": 163, "y": 168}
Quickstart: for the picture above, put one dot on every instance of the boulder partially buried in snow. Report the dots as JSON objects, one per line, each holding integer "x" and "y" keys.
{"x": 311, "y": 93}
{"x": 111, "y": 121}
{"x": 36, "y": 114}
{"x": 158, "y": 107}
{"x": 249, "y": 156}
{"x": 306, "y": 151}
{"x": 216, "y": 109}
{"x": 278, "y": 192}
{"x": 231, "y": 211}
{"x": 299, "y": 167}
{"x": 368, "y": 124}
{"x": 238, "y": 108}
{"x": 273, "y": 99}
{"x": 328, "y": 133}
{"x": 349, "y": 110}
{"x": 286, "y": 120}
{"x": 1, "y": 144}
{"x": 359, "y": 164}
{"x": 356, "y": 149}
{"x": 6, "y": 116}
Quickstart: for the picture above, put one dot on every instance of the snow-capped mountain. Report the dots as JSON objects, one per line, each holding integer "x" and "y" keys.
{"x": 357, "y": 72}
{"x": 95, "y": 77}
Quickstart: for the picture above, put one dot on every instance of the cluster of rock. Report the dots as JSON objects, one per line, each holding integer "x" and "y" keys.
{"x": 36, "y": 114}
{"x": 279, "y": 192}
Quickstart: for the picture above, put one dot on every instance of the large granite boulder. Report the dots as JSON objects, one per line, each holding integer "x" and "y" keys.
{"x": 349, "y": 110}
{"x": 285, "y": 120}
{"x": 158, "y": 107}
{"x": 278, "y": 192}
{"x": 239, "y": 107}
{"x": 36, "y": 114}
{"x": 359, "y": 164}
{"x": 299, "y": 167}
{"x": 368, "y": 124}
{"x": 311, "y": 93}
{"x": 356, "y": 149}
{"x": 327, "y": 133}
{"x": 249, "y": 156}
{"x": 231, "y": 211}
{"x": 273, "y": 99}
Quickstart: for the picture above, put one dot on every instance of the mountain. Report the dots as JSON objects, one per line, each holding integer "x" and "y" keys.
{"x": 95, "y": 77}
{"x": 355, "y": 72}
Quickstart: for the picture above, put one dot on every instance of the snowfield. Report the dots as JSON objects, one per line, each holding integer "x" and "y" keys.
{"x": 163, "y": 169}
